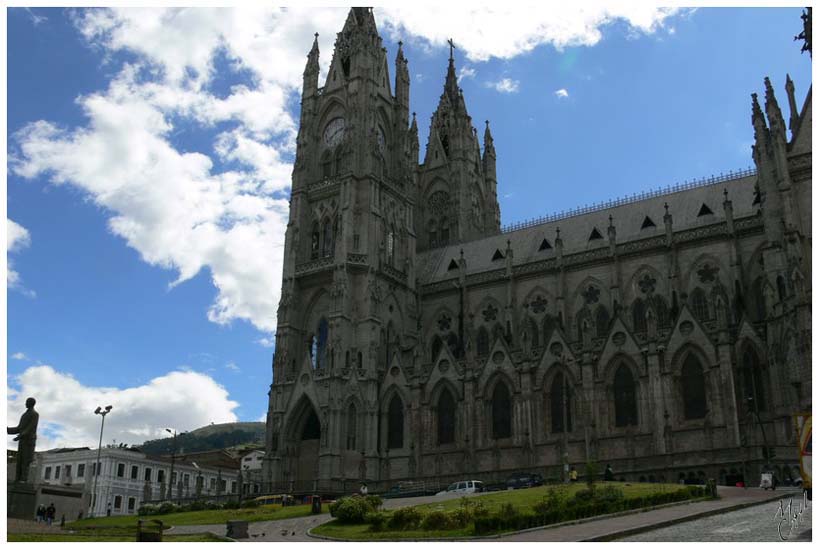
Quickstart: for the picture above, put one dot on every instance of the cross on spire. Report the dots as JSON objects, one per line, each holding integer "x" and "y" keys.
{"x": 452, "y": 47}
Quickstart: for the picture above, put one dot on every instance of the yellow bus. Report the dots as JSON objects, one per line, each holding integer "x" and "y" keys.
{"x": 803, "y": 425}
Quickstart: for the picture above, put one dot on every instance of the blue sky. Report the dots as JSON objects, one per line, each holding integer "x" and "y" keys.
{"x": 149, "y": 170}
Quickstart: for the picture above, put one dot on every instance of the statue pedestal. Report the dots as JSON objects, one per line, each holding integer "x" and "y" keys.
{"x": 22, "y": 500}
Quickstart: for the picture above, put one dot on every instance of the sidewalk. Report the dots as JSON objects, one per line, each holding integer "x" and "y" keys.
{"x": 732, "y": 498}
{"x": 28, "y": 526}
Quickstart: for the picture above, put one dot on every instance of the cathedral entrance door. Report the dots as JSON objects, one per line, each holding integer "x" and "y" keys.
{"x": 307, "y": 459}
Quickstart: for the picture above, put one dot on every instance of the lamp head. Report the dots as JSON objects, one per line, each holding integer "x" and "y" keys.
{"x": 98, "y": 410}
{"x": 108, "y": 408}
{"x": 168, "y": 430}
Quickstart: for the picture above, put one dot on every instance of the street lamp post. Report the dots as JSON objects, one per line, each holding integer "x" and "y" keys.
{"x": 173, "y": 458}
{"x": 102, "y": 412}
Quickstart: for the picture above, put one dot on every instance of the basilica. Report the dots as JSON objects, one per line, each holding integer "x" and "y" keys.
{"x": 668, "y": 335}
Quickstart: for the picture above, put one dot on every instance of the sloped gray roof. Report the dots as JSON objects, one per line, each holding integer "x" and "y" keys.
{"x": 627, "y": 218}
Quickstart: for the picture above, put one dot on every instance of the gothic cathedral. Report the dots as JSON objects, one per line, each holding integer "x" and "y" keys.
{"x": 669, "y": 335}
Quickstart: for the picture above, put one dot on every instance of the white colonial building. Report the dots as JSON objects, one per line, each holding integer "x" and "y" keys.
{"x": 128, "y": 477}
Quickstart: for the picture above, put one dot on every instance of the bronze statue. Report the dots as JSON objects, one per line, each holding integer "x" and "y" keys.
{"x": 26, "y": 432}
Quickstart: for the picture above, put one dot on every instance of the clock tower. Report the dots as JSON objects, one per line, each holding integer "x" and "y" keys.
{"x": 348, "y": 310}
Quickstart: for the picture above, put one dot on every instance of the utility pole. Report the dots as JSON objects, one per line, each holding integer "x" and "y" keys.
{"x": 173, "y": 458}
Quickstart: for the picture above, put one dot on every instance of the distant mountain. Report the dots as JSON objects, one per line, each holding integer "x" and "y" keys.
{"x": 209, "y": 438}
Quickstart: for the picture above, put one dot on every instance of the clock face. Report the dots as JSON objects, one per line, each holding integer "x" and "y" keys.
{"x": 380, "y": 136}
{"x": 334, "y": 132}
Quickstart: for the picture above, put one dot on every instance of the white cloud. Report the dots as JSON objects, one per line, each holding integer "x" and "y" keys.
{"x": 36, "y": 20}
{"x": 263, "y": 418}
{"x": 266, "y": 342}
{"x": 20, "y": 356}
{"x": 505, "y": 86}
{"x": 505, "y": 31}
{"x": 230, "y": 365}
{"x": 17, "y": 238}
{"x": 562, "y": 93}
{"x": 466, "y": 72}
{"x": 178, "y": 209}
{"x": 183, "y": 399}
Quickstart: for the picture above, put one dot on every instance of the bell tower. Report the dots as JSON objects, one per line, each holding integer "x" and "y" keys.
{"x": 348, "y": 305}
{"x": 457, "y": 186}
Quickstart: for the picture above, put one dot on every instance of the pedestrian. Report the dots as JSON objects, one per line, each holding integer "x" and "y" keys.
{"x": 573, "y": 475}
{"x": 108, "y": 512}
{"x": 609, "y": 475}
{"x": 50, "y": 512}
{"x": 41, "y": 514}
{"x": 363, "y": 490}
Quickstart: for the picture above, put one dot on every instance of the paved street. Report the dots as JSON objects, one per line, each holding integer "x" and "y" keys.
{"x": 756, "y": 523}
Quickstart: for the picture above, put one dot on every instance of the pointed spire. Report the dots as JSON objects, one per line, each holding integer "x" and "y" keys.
{"x": 776, "y": 124}
{"x": 451, "y": 83}
{"x": 312, "y": 65}
{"x": 400, "y": 53}
{"x": 489, "y": 145}
{"x": 758, "y": 122}
{"x": 794, "y": 117}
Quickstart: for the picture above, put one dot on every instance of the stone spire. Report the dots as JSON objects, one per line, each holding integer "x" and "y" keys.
{"x": 761, "y": 131}
{"x": 402, "y": 80}
{"x": 777, "y": 126}
{"x": 794, "y": 116}
{"x": 451, "y": 82}
{"x": 311, "y": 75}
{"x": 489, "y": 147}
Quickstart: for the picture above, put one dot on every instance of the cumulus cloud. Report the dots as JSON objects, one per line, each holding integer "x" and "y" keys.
{"x": 17, "y": 238}
{"x": 505, "y": 31}
{"x": 466, "y": 72}
{"x": 505, "y": 86}
{"x": 224, "y": 210}
{"x": 184, "y": 398}
{"x": 19, "y": 356}
{"x": 562, "y": 93}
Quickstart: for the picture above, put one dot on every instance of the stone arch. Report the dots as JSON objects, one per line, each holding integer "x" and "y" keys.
{"x": 334, "y": 107}
{"x": 303, "y": 436}
{"x": 444, "y": 404}
{"x": 751, "y": 377}
{"x": 610, "y": 375}
{"x": 483, "y": 306}
{"x": 692, "y": 383}
{"x": 699, "y": 305}
{"x": 579, "y": 299}
{"x": 559, "y": 375}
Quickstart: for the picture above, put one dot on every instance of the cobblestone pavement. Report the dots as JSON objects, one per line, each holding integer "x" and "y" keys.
{"x": 28, "y": 526}
{"x": 753, "y": 524}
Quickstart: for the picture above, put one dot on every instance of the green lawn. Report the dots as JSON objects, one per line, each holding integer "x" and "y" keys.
{"x": 527, "y": 497}
{"x": 202, "y": 517}
{"x": 521, "y": 499}
{"x": 105, "y": 535}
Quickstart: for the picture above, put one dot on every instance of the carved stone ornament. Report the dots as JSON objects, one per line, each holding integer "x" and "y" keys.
{"x": 394, "y": 371}
{"x": 707, "y": 273}
{"x": 619, "y": 339}
{"x": 439, "y": 203}
{"x": 490, "y": 313}
{"x": 498, "y": 357}
{"x": 647, "y": 284}
{"x": 686, "y": 328}
{"x": 444, "y": 322}
{"x": 538, "y": 305}
{"x": 557, "y": 349}
{"x": 443, "y": 366}
{"x": 591, "y": 295}
{"x": 304, "y": 379}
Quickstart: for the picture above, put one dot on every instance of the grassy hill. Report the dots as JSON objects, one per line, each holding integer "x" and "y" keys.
{"x": 208, "y": 438}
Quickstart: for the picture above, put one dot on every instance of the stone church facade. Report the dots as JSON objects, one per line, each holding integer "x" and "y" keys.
{"x": 668, "y": 335}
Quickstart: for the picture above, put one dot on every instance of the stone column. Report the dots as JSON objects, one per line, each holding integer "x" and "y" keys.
{"x": 655, "y": 397}
{"x": 727, "y": 397}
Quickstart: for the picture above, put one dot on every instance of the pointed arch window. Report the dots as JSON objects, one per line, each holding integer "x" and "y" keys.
{"x": 602, "y": 321}
{"x": 584, "y": 320}
{"x": 351, "y": 428}
{"x": 482, "y": 342}
{"x": 560, "y": 404}
{"x": 694, "y": 388}
{"x": 395, "y": 423}
{"x": 452, "y": 344}
{"x": 318, "y": 345}
{"x": 501, "y": 410}
{"x": 314, "y": 241}
{"x": 327, "y": 239}
{"x": 436, "y": 346}
{"x": 700, "y": 307}
{"x": 752, "y": 379}
{"x": 390, "y": 246}
{"x": 446, "y": 417}
{"x": 549, "y": 326}
{"x": 661, "y": 311}
{"x": 444, "y": 232}
{"x": 639, "y": 315}
{"x": 626, "y": 406}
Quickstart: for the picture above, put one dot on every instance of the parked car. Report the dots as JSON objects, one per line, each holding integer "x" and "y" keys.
{"x": 463, "y": 488}
{"x": 522, "y": 481}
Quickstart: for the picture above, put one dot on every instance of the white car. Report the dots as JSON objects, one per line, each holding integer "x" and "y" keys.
{"x": 463, "y": 488}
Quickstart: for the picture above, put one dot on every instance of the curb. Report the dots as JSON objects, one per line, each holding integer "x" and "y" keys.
{"x": 510, "y": 533}
{"x": 644, "y": 528}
